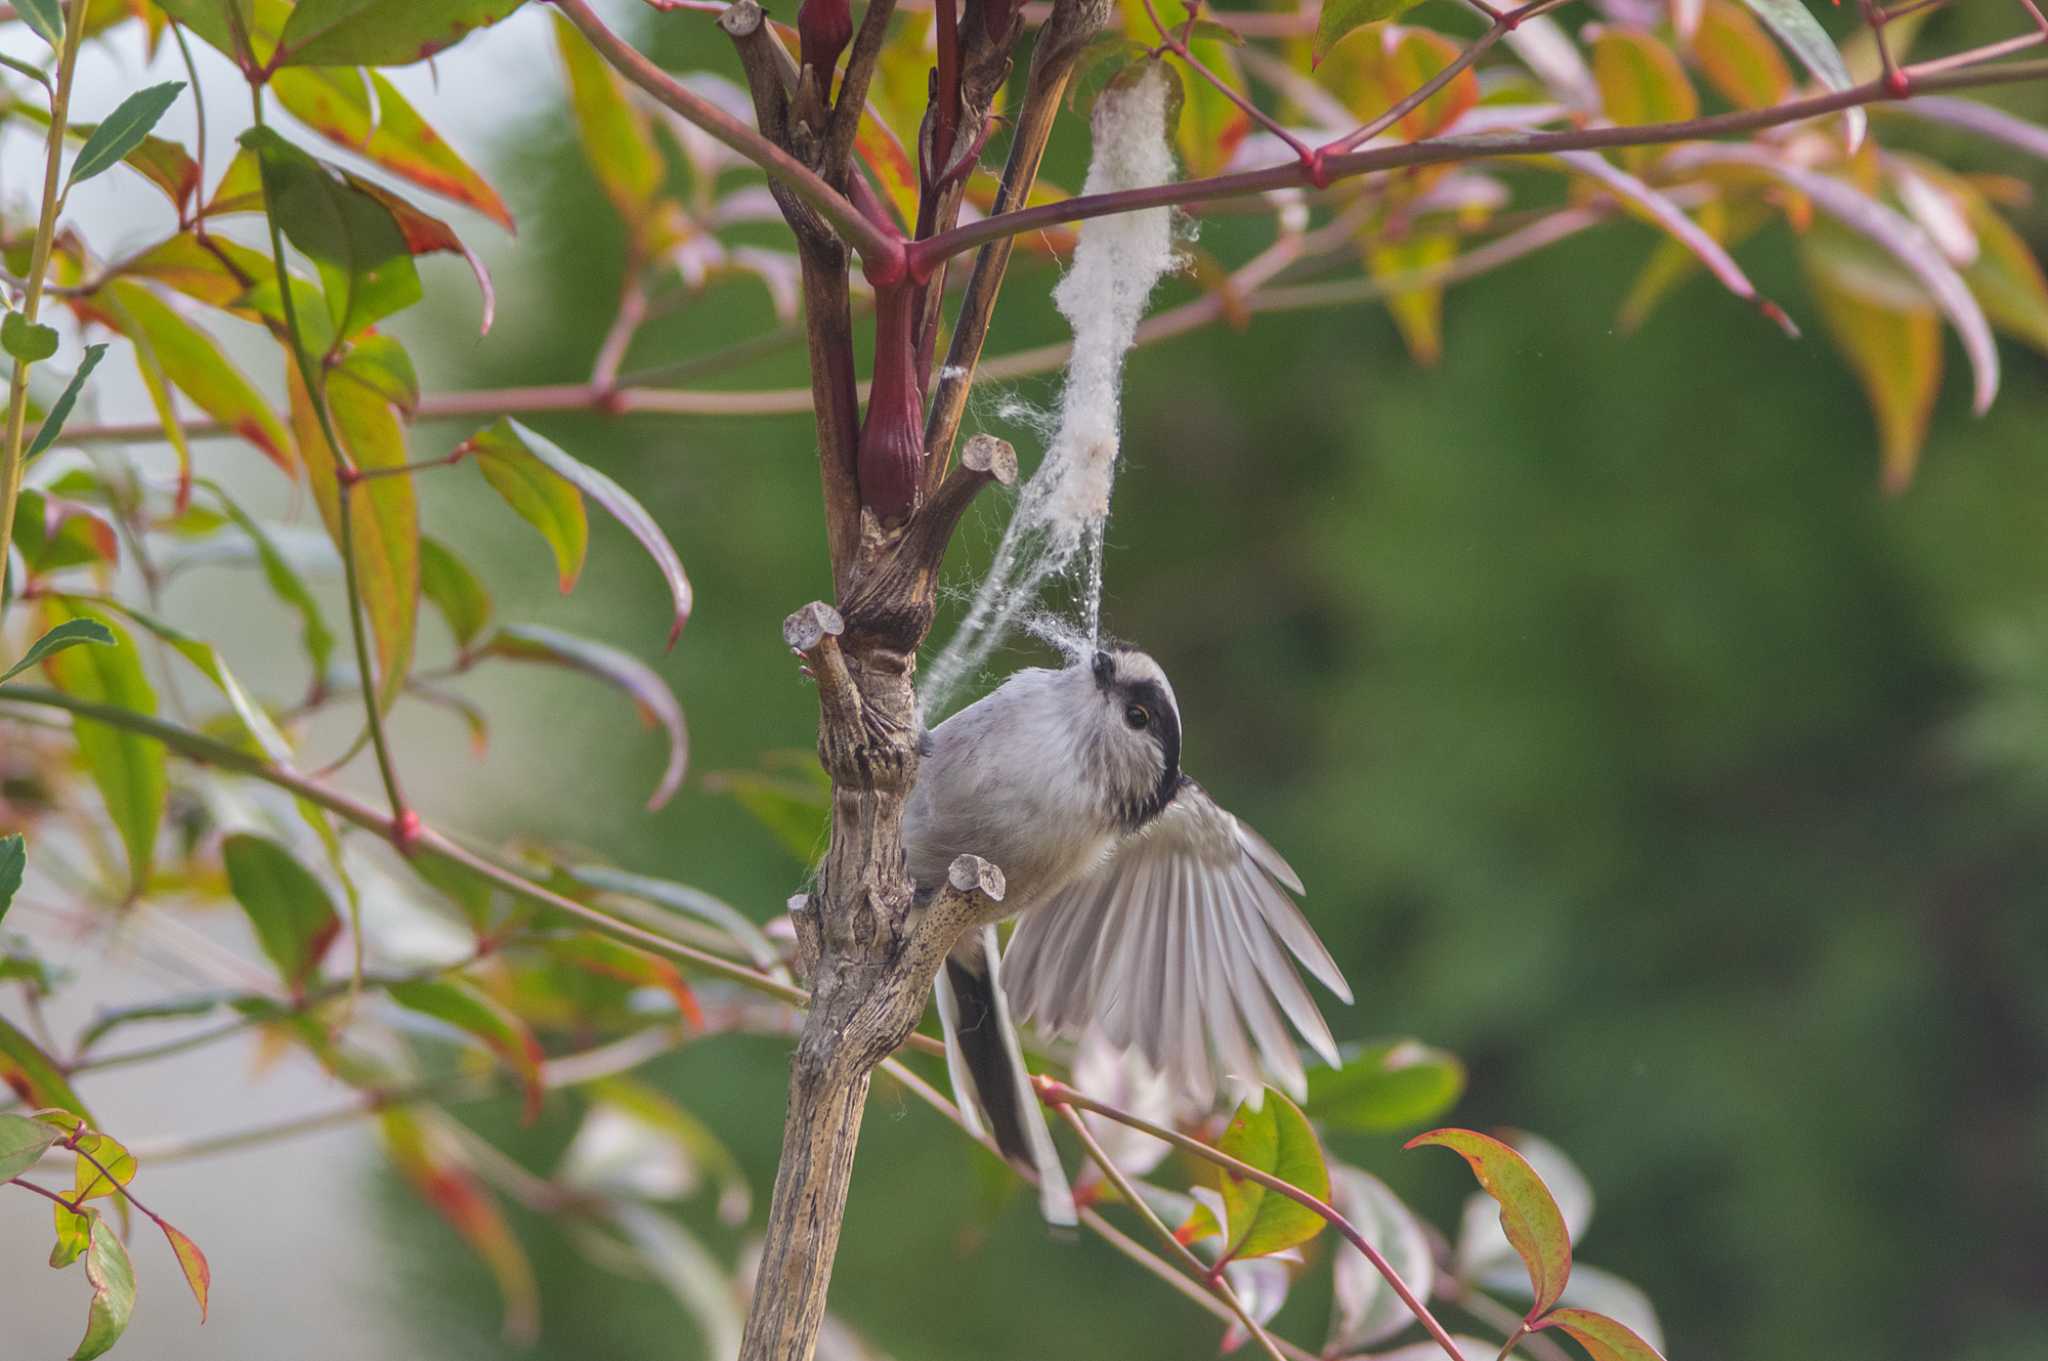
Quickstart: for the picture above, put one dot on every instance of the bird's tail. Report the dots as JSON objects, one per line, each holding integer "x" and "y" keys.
{"x": 990, "y": 1082}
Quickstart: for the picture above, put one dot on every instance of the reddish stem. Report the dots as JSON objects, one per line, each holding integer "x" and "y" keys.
{"x": 891, "y": 463}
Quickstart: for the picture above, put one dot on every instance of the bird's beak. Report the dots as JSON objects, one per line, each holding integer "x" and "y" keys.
{"x": 1105, "y": 670}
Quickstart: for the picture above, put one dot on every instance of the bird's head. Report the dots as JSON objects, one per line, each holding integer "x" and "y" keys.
{"x": 1133, "y": 730}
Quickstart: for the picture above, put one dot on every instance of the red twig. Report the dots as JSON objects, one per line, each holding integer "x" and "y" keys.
{"x": 1177, "y": 44}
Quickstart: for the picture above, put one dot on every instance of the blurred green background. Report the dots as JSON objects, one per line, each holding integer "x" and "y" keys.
{"x": 1630, "y": 742}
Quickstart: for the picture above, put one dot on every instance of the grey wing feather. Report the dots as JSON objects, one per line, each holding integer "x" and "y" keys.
{"x": 1178, "y": 946}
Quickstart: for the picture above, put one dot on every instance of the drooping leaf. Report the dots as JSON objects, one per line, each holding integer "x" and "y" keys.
{"x": 1894, "y": 345}
{"x": 615, "y": 959}
{"x": 1483, "y": 1252}
{"x": 430, "y": 1162}
{"x": 29, "y": 1072}
{"x": 1602, "y": 1337}
{"x": 191, "y": 1261}
{"x": 380, "y": 32}
{"x": 60, "y": 410}
{"x": 365, "y": 266}
{"x": 70, "y": 633}
{"x": 649, "y": 693}
{"x": 1738, "y": 57}
{"x": 383, "y": 511}
{"x": 293, "y": 915}
{"x": 1417, "y": 313}
{"x": 1365, "y": 1310}
{"x": 424, "y": 234}
{"x": 1340, "y": 17}
{"x": 1276, "y": 1138}
{"x": 121, "y": 131}
{"x": 213, "y": 269}
{"x": 23, "y": 1141}
{"x": 617, "y": 140}
{"x": 335, "y": 101}
{"x": 1796, "y": 27}
{"x": 197, "y": 365}
{"x": 691, "y": 902}
{"x": 673, "y": 1256}
{"x": 511, "y": 441}
{"x": 113, "y": 1291}
{"x": 549, "y": 503}
{"x": 482, "y": 1016}
{"x": 449, "y": 585}
{"x": 128, "y": 768}
{"x": 29, "y": 341}
{"x": 1385, "y": 1087}
{"x": 1528, "y": 1214}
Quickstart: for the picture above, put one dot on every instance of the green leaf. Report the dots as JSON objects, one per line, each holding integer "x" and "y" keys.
{"x": 70, "y": 633}
{"x": 1528, "y": 1215}
{"x": 335, "y": 101}
{"x": 197, "y": 365}
{"x": 1340, "y": 17}
{"x": 382, "y": 365}
{"x": 1605, "y": 1339}
{"x": 380, "y": 32}
{"x": 13, "y": 862}
{"x": 204, "y": 656}
{"x": 29, "y": 341}
{"x": 184, "y": 1008}
{"x": 610, "y": 958}
{"x": 191, "y": 1261}
{"x": 53, "y": 424}
{"x": 1799, "y": 30}
{"x": 509, "y": 440}
{"x": 550, "y": 503}
{"x": 23, "y": 1141}
{"x": 366, "y": 270}
{"x": 54, "y": 534}
{"x": 479, "y": 1014}
{"x": 74, "y": 1232}
{"x": 1385, "y": 1087}
{"x": 649, "y": 693}
{"x": 294, "y": 918}
{"x": 34, "y": 1078}
{"x": 128, "y": 767}
{"x": 617, "y": 140}
{"x": 1274, "y": 1138}
{"x": 798, "y": 813}
{"x": 285, "y": 582}
{"x": 46, "y": 17}
{"x": 121, "y": 131}
{"x": 449, "y": 585}
{"x": 110, "y": 1167}
{"x": 113, "y": 1292}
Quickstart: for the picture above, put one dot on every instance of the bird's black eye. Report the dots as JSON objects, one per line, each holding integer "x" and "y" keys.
{"x": 1136, "y": 716}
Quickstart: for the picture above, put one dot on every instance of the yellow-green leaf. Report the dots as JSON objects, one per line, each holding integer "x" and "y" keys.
{"x": 23, "y": 1141}
{"x": 127, "y": 767}
{"x": 545, "y": 500}
{"x": 1605, "y": 1339}
{"x": 1385, "y": 1087}
{"x": 1738, "y": 58}
{"x": 617, "y": 141}
{"x": 380, "y": 32}
{"x": 1528, "y": 1214}
{"x": 113, "y": 1291}
{"x": 1340, "y": 17}
{"x": 195, "y": 363}
{"x": 1640, "y": 79}
{"x": 30, "y": 1074}
{"x": 449, "y": 585}
{"x": 1417, "y": 313}
{"x": 1893, "y": 344}
{"x": 1412, "y": 58}
{"x": 1275, "y": 1138}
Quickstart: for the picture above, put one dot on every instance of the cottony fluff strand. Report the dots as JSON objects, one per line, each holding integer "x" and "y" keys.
{"x": 1118, "y": 260}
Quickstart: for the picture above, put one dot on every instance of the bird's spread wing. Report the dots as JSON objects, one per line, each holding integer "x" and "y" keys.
{"x": 1177, "y": 947}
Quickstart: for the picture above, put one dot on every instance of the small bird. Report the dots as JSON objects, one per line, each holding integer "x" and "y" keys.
{"x": 1149, "y": 917}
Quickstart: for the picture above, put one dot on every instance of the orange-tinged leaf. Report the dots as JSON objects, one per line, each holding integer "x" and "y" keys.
{"x": 27, "y": 1071}
{"x": 475, "y": 1012}
{"x": 215, "y": 271}
{"x": 1413, "y": 57}
{"x": 192, "y": 1262}
{"x": 240, "y": 189}
{"x": 1893, "y": 344}
{"x": 424, "y": 234}
{"x": 1640, "y": 79}
{"x": 1604, "y": 1338}
{"x": 615, "y": 959}
{"x": 883, "y": 154}
{"x": 1528, "y": 1214}
{"x": 428, "y": 1160}
{"x": 1738, "y": 58}
{"x": 335, "y": 101}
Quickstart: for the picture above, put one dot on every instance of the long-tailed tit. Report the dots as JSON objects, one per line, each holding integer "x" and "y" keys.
{"x": 1149, "y": 916}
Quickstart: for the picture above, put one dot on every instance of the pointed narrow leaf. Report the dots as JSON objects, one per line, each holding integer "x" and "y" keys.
{"x": 615, "y": 959}
{"x": 548, "y": 502}
{"x": 46, "y": 17}
{"x": 2006, "y": 278}
{"x": 60, "y": 411}
{"x": 23, "y": 1140}
{"x": 128, "y": 768}
{"x": 113, "y": 1292}
{"x": 192, "y": 1262}
{"x": 294, "y": 918}
{"x": 70, "y": 633}
{"x": 207, "y": 660}
{"x": 617, "y": 141}
{"x": 508, "y": 439}
{"x": 482, "y": 1016}
{"x": 1603, "y": 1337}
{"x": 121, "y": 131}
{"x": 1275, "y": 1138}
{"x": 1385, "y": 1087}
{"x": 649, "y": 693}
{"x": 682, "y": 898}
{"x": 1894, "y": 346}
{"x": 424, "y": 234}
{"x": 1528, "y": 1214}
{"x": 446, "y": 1184}
{"x": 1796, "y": 27}
{"x": 1418, "y": 312}
{"x": 31, "y": 1075}
{"x": 449, "y": 585}
{"x": 200, "y": 368}
{"x": 380, "y": 32}
{"x": 366, "y": 269}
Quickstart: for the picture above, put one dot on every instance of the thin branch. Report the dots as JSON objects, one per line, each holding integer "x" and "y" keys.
{"x": 1941, "y": 74}
{"x": 881, "y": 254}
{"x": 72, "y": 1205}
{"x": 1174, "y": 43}
{"x": 1058, "y": 1093}
{"x": 844, "y": 123}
